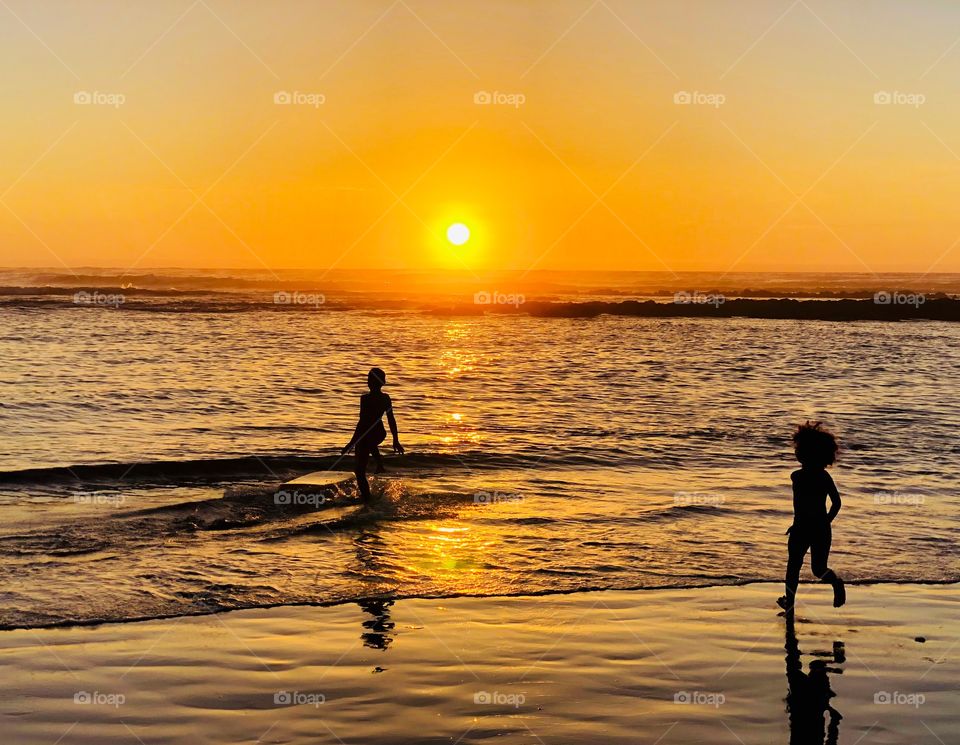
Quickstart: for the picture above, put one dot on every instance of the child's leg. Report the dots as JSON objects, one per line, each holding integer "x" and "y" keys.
{"x": 796, "y": 550}
{"x": 363, "y": 452}
{"x": 819, "y": 555}
{"x": 378, "y": 459}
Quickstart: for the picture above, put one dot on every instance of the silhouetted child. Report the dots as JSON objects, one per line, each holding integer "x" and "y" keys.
{"x": 370, "y": 432}
{"x": 816, "y": 448}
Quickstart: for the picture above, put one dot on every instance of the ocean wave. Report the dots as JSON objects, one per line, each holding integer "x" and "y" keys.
{"x": 283, "y": 467}
{"x": 930, "y": 309}
{"x": 854, "y": 305}
{"x": 268, "y": 512}
{"x": 220, "y": 470}
{"x": 238, "y": 509}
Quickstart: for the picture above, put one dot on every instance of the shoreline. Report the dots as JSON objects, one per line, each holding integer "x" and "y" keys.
{"x": 804, "y": 583}
{"x": 684, "y": 665}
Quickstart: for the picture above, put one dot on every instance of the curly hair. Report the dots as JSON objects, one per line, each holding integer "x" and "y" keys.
{"x": 815, "y": 445}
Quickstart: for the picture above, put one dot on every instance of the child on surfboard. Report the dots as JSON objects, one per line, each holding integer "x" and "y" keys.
{"x": 369, "y": 432}
{"x": 816, "y": 449}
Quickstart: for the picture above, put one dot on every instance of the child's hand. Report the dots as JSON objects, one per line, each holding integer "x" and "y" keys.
{"x": 397, "y": 447}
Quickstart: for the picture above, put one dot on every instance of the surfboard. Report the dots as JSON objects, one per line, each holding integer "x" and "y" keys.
{"x": 320, "y": 479}
{"x": 323, "y": 490}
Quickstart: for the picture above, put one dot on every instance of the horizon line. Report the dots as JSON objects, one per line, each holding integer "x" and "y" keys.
{"x": 442, "y": 270}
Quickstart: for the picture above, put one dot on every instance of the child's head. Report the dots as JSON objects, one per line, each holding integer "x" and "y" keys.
{"x": 815, "y": 445}
{"x": 376, "y": 378}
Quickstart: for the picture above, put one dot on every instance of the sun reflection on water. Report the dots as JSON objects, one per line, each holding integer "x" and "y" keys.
{"x": 456, "y": 360}
{"x": 447, "y": 553}
{"x": 456, "y": 430}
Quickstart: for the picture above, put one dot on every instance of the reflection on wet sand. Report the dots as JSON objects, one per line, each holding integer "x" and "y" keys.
{"x": 809, "y": 694}
{"x": 379, "y": 627}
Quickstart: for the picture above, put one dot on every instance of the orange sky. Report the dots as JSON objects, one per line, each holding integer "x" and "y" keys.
{"x": 783, "y": 161}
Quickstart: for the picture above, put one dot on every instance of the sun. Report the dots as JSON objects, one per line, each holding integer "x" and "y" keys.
{"x": 458, "y": 234}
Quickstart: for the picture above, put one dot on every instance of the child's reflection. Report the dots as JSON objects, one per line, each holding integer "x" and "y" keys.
{"x": 378, "y": 628}
{"x": 809, "y": 694}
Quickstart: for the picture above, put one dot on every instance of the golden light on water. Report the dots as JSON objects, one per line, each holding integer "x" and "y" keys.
{"x": 457, "y": 431}
{"x": 458, "y": 359}
{"x": 448, "y": 553}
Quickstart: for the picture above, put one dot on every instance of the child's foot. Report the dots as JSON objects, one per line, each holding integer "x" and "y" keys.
{"x": 785, "y": 603}
{"x": 839, "y": 593}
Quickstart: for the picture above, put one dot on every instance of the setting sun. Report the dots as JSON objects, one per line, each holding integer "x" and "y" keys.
{"x": 458, "y": 234}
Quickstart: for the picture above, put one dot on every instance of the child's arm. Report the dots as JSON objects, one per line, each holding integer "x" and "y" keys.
{"x": 834, "y": 494}
{"x": 392, "y": 421}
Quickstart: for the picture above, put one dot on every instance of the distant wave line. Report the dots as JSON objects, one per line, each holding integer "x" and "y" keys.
{"x": 921, "y": 308}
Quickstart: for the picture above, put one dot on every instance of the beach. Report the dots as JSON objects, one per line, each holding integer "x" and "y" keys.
{"x": 423, "y": 372}
{"x": 705, "y": 665}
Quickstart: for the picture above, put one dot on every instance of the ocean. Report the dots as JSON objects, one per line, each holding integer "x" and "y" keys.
{"x": 148, "y": 421}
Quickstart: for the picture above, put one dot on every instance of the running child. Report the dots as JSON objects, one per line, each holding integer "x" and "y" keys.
{"x": 816, "y": 449}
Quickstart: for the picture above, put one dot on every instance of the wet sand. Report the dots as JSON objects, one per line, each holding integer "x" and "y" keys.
{"x": 653, "y": 666}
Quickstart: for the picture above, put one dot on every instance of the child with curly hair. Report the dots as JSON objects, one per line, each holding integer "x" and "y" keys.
{"x": 816, "y": 449}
